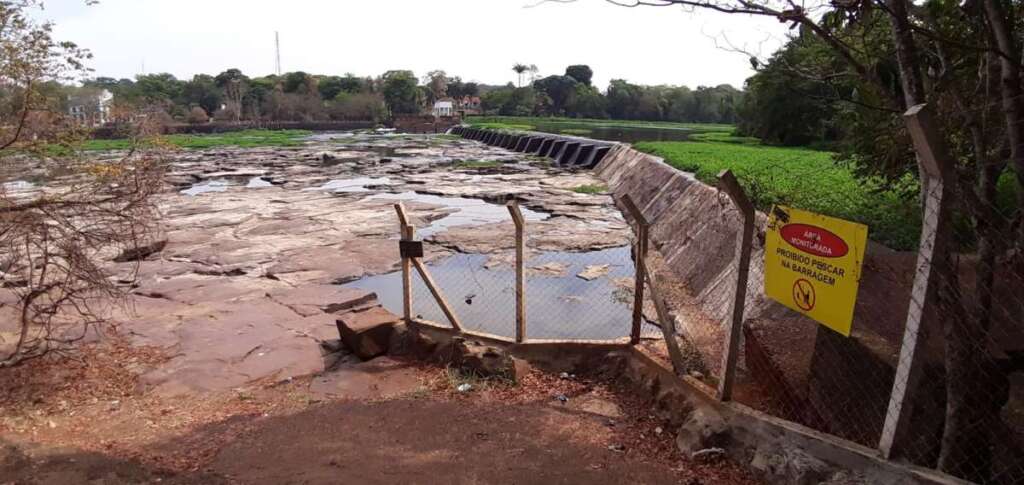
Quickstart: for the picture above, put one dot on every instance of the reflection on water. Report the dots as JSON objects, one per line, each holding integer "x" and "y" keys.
{"x": 356, "y": 184}
{"x": 469, "y": 212}
{"x": 258, "y": 183}
{"x": 18, "y": 185}
{"x": 616, "y": 133}
{"x": 208, "y": 186}
{"x": 557, "y": 307}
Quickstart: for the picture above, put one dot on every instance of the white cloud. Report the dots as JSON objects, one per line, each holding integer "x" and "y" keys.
{"x": 476, "y": 39}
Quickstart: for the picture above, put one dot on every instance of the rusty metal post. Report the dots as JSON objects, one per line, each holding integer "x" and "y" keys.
{"x": 517, "y": 217}
{"x": 728, "y": 183}
{"x": 668, "y": 327}
{"x": 640, "y": 255}
{"x": 408, "y": 233}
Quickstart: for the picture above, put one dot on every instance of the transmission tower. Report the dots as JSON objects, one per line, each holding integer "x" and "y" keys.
{"x": 277, "y": 49}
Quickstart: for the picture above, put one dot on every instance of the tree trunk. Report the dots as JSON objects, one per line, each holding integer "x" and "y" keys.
{"x": 910, "y": 69}
{"x": 1013, "y": 105}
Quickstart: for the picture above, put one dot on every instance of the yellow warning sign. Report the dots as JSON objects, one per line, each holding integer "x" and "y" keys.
{"x": 813, "y": 265}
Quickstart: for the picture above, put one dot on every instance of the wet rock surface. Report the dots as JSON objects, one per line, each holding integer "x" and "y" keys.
{"x": 258, "y": 240}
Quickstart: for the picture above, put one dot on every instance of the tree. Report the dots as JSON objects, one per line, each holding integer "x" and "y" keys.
{"x": 359, "y": 106}
{"x": 400, "y": 93}
{"x": 297, "y": 82}
{"x": 587, "y": 102}
{"x": 581, "y": 73}
{"x": 458, "y": 89}
{"x": 520, "y": 69}
{"x": 159, "y": 89}
{"x": 202, "y": 91}
{"x": 54, "y": 245}
{"x": 234, "y": 84}
{"x": 559, "y": 89}
{"x": 437, "y": 84}
{"x": 352, "y": 84}
{"x": 782, "y": 107}
{"x": 198, "y": 116}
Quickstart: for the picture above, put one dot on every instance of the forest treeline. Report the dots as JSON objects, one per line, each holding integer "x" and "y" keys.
{"x": 299, "y": 96}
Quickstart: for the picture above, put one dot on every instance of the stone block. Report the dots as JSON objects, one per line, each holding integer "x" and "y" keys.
{"x": 367, "y": 333}
{"x": 705, "y": 428}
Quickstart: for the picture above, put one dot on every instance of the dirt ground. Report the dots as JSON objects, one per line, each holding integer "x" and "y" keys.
{"x": 83, "y": 421}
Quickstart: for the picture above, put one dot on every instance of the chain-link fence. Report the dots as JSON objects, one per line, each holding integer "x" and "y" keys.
{"x": 932, "y": 372}
{"x": 567, "y": 293}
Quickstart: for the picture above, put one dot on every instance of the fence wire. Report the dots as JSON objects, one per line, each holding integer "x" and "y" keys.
{"x": 569, "y": 295}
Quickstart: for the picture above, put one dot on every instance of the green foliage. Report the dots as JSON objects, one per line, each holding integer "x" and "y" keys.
{"x": 400, "y": 92}
{"x": 559, "y": 89}
{"x": 297, "y": 82}
{"x": 360, "y": 106}
{"x": 590, "y": 189}
{"x": 581, "y": 73}
{"x": 510, "y": 101}
{"x": 528, "y": 123}
{"x": 244, "y": 139}
{"x": 202, "y": 91}
{"x": 782, "y": 106}
{"x": 157, "y": 88}
{"x": 805, "y": 179}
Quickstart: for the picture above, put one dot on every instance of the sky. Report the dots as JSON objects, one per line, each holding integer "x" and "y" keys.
{"x": 478, "y": 40}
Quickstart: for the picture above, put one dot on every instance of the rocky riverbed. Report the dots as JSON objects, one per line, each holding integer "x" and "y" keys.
{"x": 265, "y": 245}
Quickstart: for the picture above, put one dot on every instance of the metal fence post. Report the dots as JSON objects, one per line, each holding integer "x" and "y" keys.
{"x": 639, "y": 280}
{"x": 517, "y": 217}
{"x": 408, "y": 233}
{"x": 938, "y": 165}
{"x": 727, "y": 181}
{"x": 668, "y": 328}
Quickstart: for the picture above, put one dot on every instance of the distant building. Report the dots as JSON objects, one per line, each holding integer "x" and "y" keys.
{"x": 444, "y": 108}
{"x": 90, "y": 107}
{"x": 468, "y": 105}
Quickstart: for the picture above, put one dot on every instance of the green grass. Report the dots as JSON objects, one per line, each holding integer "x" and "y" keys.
{"x": 532, "y": 121}
{"x": 244, "y": 139}
{"x": 590, "y": 189}
{"x": 802, "y": 178}
{"x": 504, "y": 126}
{"x": 476, "y": 164}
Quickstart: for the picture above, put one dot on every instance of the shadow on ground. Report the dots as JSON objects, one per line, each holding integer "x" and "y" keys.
{"x": 397, "y": 441}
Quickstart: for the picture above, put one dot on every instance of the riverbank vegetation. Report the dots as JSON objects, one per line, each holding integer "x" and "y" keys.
{"x": 801, "y": 177}
{"x": 243, "y": 139}
{"x": 527, "y": 123}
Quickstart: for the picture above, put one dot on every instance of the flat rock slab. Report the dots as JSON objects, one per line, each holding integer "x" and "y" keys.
{"x": 379, "y": 378}
{"x": 314, "y": 299}
{"x": 367, "y": 333}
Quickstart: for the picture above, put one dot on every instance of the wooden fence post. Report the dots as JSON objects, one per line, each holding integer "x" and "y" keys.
{"x": 728, "y": 183}
{"x": 938, "y": 167}
{"x": 643, "y": 273}
{"x": 517, "y": 217}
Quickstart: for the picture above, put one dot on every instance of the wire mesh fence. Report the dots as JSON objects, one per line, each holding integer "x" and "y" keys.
{"x": 932, "y": 372}
{"x": 580, "y": 295}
